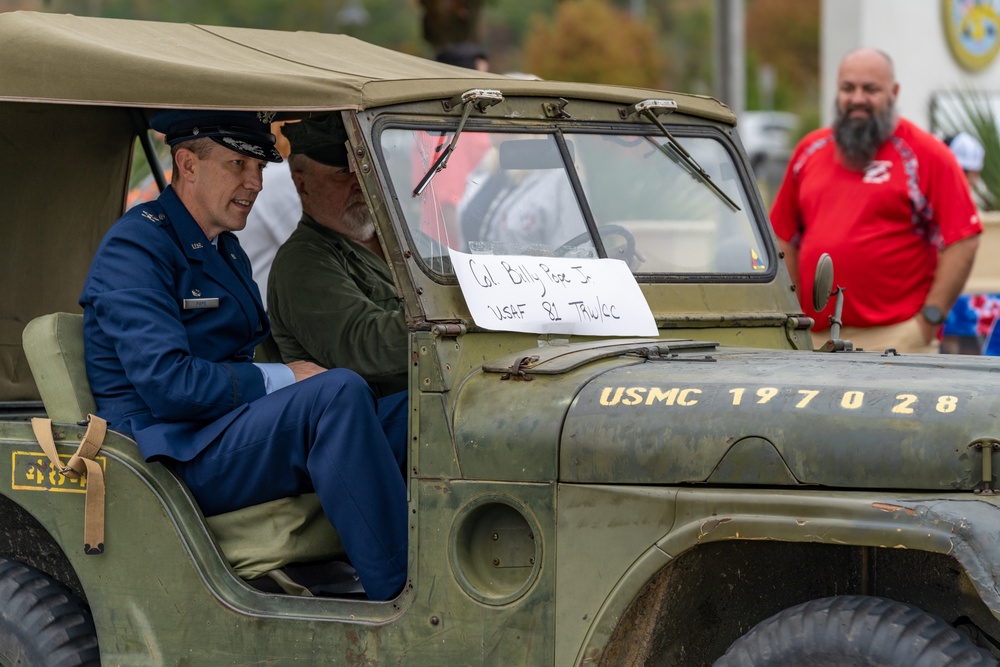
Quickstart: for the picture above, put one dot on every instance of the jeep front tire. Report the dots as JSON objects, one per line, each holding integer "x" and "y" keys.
{"x": 854, "y": 630}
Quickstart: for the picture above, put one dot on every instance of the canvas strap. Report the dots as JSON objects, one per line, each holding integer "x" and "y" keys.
{"x": 81, "y": 464}
{"x": 288, "y": 584}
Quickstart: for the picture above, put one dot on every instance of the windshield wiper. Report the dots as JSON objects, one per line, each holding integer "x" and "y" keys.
{"x": 648, "y": 109}
{"x": 479, "y": 98}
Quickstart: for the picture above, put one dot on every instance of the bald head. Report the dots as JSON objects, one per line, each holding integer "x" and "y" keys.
{"x": 867, "y": 56}
{"x": 866, "y": 78}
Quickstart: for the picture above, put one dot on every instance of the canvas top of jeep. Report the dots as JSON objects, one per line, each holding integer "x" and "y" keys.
{"x": 613, "y": 396}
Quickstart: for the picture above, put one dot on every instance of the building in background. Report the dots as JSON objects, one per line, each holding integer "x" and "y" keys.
{"x": 938, "y": 46}
{"x": 943, "y": 50}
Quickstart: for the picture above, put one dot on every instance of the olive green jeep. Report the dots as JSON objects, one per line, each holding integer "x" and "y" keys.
{"x": 623, "y": 448}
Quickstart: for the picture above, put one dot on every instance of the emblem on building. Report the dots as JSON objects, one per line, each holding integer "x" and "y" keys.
{"x": 973, "y": 31}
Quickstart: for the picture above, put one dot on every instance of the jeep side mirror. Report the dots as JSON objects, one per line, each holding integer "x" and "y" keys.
{"x": 822, "y": 291}
{"x": 823, "y": 282}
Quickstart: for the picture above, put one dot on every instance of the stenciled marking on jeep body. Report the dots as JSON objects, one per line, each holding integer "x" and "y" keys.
{"x": 32, "y": 471}
{"x": 798, "y": 399}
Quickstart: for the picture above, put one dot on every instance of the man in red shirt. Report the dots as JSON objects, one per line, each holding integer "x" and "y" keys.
{"x": 890, "y": 205}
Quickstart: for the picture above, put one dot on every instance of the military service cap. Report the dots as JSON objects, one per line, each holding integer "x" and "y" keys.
{"x": 246, "y": 132}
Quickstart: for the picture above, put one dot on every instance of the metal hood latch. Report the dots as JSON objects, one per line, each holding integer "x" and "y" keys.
{"x": 987, "y": 446}
{"x": 517, "y": 371}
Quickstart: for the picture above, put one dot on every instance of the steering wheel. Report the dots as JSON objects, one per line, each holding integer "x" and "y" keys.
{"x": 624, "y": 252}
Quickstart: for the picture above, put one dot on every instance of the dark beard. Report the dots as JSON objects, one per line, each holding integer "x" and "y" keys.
{"x": 860, "y": 138}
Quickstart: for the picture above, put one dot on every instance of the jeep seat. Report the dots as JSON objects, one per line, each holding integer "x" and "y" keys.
{"x": 258, "y": 540}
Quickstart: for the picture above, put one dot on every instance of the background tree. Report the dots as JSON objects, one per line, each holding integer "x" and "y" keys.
{"x": 450, "y": 21}
{"x": 684, "y": 34}
{"x": 505, "y": 25}
{"x": 588, "y": 40}
{"x": 784, "y": 34}
{"x": 391, "y": 23}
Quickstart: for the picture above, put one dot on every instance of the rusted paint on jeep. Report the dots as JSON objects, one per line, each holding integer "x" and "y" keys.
{"x": 357, "y": 652}
{"x": 710, "y": 525}
{"x": 885, "y": 507}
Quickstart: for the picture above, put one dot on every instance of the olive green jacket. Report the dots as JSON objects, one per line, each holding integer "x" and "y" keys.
{"x": 332, "y": 301}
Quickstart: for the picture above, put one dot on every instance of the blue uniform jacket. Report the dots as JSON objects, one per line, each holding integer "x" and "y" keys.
{"x": 166, "y": 365}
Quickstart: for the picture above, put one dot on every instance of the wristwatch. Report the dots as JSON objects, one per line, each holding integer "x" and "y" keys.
{"x": 932, "y": 314}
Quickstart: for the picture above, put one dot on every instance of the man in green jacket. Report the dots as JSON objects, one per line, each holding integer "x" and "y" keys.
{"x": 330, "y": 295}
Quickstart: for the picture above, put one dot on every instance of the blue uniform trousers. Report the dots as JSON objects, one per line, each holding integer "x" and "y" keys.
{"x": 326, "y": 434}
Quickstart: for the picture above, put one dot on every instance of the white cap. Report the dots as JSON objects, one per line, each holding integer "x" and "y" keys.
{"x": 969, "y": 152}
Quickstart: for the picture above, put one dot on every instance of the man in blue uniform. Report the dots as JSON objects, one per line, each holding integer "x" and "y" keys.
{"x": 171, "y": 320}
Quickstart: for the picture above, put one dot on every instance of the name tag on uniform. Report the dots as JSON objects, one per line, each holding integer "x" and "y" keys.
{"x": 195, "y": 304}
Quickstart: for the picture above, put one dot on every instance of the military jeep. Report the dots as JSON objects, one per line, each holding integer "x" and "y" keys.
{"x": 623, "y": 448}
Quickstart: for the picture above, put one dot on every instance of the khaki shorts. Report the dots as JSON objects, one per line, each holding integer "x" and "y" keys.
{"x": 905, "y": 337}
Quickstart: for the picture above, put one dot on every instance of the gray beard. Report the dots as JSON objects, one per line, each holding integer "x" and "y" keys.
{"x": 859, "y": 139}
{"x": 358, "y": 220}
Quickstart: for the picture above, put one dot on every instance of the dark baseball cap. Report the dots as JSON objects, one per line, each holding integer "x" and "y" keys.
{"x": 321, "y": 138}
{"x": 246, "y": 132}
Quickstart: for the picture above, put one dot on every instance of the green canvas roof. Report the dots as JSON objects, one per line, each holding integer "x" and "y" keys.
{"x": 68, "y": 59}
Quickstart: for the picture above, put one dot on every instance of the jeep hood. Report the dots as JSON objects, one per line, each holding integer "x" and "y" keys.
{"x": 661, "y": 412}
{"x": 767, "y": 417}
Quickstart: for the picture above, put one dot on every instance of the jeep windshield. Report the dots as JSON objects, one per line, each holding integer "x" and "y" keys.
{"x": 610, "y": 194}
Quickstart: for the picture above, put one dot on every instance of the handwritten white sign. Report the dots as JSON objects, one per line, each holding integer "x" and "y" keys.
{"x": 587, "y": 297}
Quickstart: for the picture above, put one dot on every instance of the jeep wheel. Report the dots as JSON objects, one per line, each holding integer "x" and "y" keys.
{"x": 42, "y": 624}
{"x": 854, "y": 630}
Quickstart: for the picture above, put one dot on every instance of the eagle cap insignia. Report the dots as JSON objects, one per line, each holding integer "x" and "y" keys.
{"x": 243, "y": 147}
{"x": 266, "y": 116}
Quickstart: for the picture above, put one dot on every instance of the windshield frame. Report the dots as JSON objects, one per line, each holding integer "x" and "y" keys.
{"x": 695, "y": 128}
